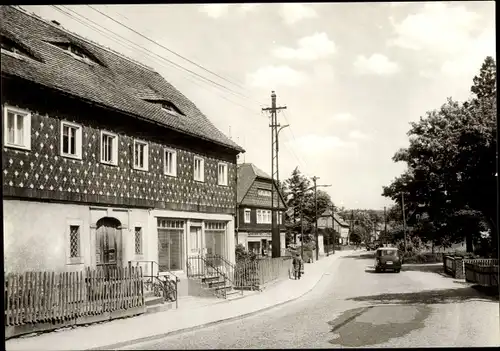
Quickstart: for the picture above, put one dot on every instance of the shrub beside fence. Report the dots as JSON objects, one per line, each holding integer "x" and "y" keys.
{"x": 48, "y": 297}
{"x": 254, "y": 274}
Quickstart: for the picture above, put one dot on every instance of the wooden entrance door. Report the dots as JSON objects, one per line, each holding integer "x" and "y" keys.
{"x": 108, "y": 243}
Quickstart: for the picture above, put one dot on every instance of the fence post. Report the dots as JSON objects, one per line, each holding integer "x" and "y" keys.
{"x": 459, "y": 268}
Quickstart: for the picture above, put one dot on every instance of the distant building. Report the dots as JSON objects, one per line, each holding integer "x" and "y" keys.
{"x": 339, "y": 225}
{"x": 254, "y": 210}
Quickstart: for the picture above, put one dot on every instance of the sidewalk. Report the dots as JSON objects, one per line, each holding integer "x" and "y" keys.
{"x": 119, "y": 333}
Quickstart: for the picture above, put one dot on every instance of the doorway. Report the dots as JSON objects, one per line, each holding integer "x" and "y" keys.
{"x": 108, "y": 244}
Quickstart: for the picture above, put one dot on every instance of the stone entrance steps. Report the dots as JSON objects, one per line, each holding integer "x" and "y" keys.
{"x": 156, "y": 304}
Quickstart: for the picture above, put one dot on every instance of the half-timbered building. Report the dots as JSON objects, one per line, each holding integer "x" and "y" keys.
{"x": 104, "y": 162}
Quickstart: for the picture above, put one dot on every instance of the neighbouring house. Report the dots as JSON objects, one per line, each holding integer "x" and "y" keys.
{"x": 254, "y": 210}
{"x": 104, "y": 162}
{"x": 339, "y": 225}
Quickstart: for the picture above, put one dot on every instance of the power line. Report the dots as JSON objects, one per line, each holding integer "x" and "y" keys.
{"x": 161, "y": 57}
{"x": 117, "y": 13}
{"x": 149, "y": 54}
{"x": 164, "y": 47}
{"x": 126, "y": 43}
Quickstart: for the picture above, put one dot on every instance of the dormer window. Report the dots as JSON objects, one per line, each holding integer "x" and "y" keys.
{"x": 12, "y": 48}
{"x": 167, "y": 106}
{"x": 76, "y": 52}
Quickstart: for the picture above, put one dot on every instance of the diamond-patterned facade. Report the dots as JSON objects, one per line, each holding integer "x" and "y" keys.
{"x": 43, "y": 169}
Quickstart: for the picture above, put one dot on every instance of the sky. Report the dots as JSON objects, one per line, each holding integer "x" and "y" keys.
{"x": 352, "y": 75}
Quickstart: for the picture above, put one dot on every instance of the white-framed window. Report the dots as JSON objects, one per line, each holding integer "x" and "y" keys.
{"x": 71, "y": 140}
{"x": 222, "y": 173}
{"x": 279, "y": 217}
{"x": 74, "y": 245}
{"x": 170, "y": 162}
{"x": 17, "y": 128}
{"x": 263, "y": 216}
{"x": 109, "y": 148}
{"x": 268, "y": 216}
{"x": 199, "y": 169}
{"x": 141, "y": 152}
{"x": 247, "y": 215}
{"x": 138, "y": 241}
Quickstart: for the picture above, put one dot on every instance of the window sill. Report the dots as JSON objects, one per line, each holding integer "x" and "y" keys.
{"x": 19, "y": 147}
{"x": 170, "y": 174}
{"x": 115, "y": 164}
{"x": 199, "y": 180}
{"x": 74, "y": 157}
{"x": 74, "y": 261}
{"x": 226, "y": 185}
{"x": 140, "y": 169}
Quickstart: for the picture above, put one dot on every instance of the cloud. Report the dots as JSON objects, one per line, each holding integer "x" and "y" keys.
{"x": 313, "y": 144}
{"x": 293, "y": 13}
{"x": 215, "y": 10}
{"x": 248, "y": 7}
{"x": 324, "y": 72}
{"x": 375, "y": 64}
{"x": 222, "y": 10}
{"x": 438, "y": 27}
{"x": 342, "y": 117}
{"x": 358, "y": 135}
{"x": 471, "y": 60}
{"x": 272, "y": 76}
{"x": 312, "y": 47}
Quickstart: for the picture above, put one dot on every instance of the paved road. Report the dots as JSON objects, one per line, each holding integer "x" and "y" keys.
{"x": 353, "y": 306}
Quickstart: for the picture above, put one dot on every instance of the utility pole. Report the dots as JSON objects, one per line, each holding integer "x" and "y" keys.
{"x": 404, "y": 217}
{"x": 316, "y": 216}
{"x": 385, "y": 224}
{"x": 333, "y": 227}
{"x": 301, "y": 230}
{"x": 352, "y": 228}
{"x": 275, "y": 234}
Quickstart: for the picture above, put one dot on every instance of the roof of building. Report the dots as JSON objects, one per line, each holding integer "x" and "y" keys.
{"x": 247, "y": 173}
{"x": 339, "y": 219}
{"x": 104, "y": 77}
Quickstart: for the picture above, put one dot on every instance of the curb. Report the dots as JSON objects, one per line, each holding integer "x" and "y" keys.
{"x": 183, "y": 330}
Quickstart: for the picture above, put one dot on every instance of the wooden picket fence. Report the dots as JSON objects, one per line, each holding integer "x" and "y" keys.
{"x": 42, "y": 297}
{"x": 483, "y": 272}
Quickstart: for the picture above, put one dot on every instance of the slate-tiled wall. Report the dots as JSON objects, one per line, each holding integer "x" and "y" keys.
{"x": 43, "y": 174}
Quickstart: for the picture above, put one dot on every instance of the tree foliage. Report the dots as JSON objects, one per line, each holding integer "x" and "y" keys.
{"x": 298, "y": 191}
{"x": 451, "y": 165}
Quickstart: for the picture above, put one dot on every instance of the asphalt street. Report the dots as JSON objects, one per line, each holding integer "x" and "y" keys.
{"x": 352, "y": 306}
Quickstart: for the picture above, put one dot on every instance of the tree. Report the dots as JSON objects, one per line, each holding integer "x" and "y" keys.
{"x": 298, "y": 189}
{"x": 485, "y": 86}
{"x": 294, "y": 189}
{"x": 451, "y": 163}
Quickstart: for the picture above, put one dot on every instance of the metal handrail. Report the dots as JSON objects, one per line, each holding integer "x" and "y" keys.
{"x": 205, "y": 264}
{"x": 165, "y": 284}
{"x": 154, "y": 262}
